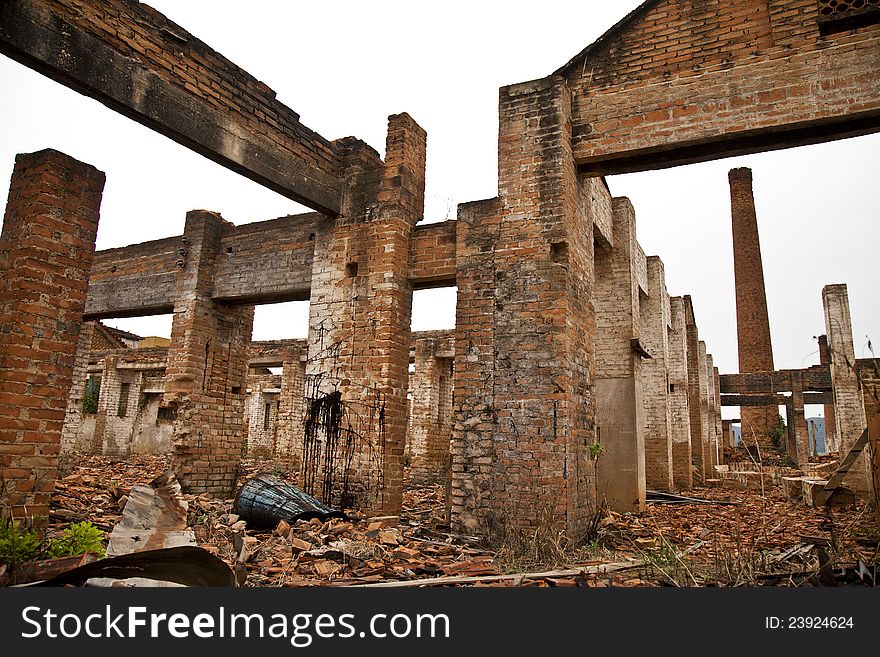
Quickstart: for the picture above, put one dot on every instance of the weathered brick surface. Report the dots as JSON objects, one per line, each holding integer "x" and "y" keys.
{"x": 831, "y": 442}
{"x": 207, "y": 367}
{"x": 696, "y": 383}
{"x": 46, "y": 250}
{"x": 261, "y": 411}
{"x": 524, "y": 325}
{"x": 712, "y": 413}
{"x": 161, "y": 75}
{"x": 359, "y": 324}
{"x": 620, "y": 403}
{"x": 247, "y": 271}
{"x": 849, "y": 408}
{"x": 432, "y": 255}
{"x": 430, "y": 426}
{"x": 688, "y": 80}
{"x": 705, "y": 463}
{"x": 260, "y": 262}
{"x": 752, "y": 324}
{"x": 656, "y": 317}
{"x": 678, "y": 398}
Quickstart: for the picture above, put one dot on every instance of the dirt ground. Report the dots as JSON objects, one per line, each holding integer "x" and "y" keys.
{"x": 732, "y": 537}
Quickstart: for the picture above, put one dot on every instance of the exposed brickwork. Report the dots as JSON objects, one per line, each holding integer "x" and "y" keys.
{"x": 704, "y": 460}
{"x": 696, "y": 382}
{"x": 289, "y": 440}
{"x": 849, "y": 408}
{"x": 46, "y": 250}
{"x": 432, "y": 255}
{"x": 752, "y": 323}
{"x": 430, "y": 428}
{"x": 688, "y": 80}
{"x": 247, "y": 271}
{"x": 714, "y": 427}
{"x": 620, "y": 406}
{"x": 207, "y": 366}
{"x": 679, "y": 410}
{"x": 359, "y": 323}
{"x": 655, "y": 320}
{"x": 164, "y": 77}
{"x": 869, "y": 377}
{"x": 831, "y": 442}
{"x": 261, "y": 411}
{"x": 524, "y": 327}
{"x": 73, "y": 415}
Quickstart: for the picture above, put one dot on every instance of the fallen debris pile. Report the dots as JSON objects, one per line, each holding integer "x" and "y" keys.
{"x": 710, "y": 537}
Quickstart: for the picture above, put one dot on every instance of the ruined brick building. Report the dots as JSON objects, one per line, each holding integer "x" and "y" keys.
{"x": 565, "y": 337}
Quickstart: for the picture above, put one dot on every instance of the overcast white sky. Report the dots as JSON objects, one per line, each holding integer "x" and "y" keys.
{"x": 345, "y": 66}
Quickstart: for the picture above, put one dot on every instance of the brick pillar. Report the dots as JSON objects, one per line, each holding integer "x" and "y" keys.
{"x": 713, "y": 411}
{"x": 719, "y": 445}
{"x": 207, "y": 367}
{"x": 849, "y": 409}
{"x": 655, "y": 319}
{"x": 727, "y": 440}
{"x": 799, "y": 439}
{"x": 428, "y": 448}
{"x": 706, "y": 461}
{"x": 695, "y": 382}
{"x": 831, "y": 442}
{"x": 752, "y": 323}
{"x": 679, "y": 410}
{"x": 46, "y": 251}
{"x": 359, "y": 327}
{"x": 619, "y": 398}
{"x": 524, "y": 330}
{"x": 74, "y": 415}
{"x": 105, "y": 439}
{"x": 288, "y": 445}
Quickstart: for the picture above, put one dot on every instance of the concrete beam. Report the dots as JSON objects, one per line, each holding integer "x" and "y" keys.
{"x": 130, "y": 77}
{"x": 815, "y": 379}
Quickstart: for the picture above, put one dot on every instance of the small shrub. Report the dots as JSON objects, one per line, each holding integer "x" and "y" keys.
{"x": 18, "y": 543}
{"x": 79, "y": 538}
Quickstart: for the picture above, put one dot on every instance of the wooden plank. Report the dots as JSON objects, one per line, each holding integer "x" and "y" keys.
{"x": 837, "y": 478}
{"x": 443, "y": 581}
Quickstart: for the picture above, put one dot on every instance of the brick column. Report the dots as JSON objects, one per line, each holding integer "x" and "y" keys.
{"x": 719, "y": 445}
{"x": 46, "y": 251}
{"x": 799, "y": 442}
{"x": 679, "y": 410}
{"x": 619, "y": 398}
{"x": 207, "y": 367}
{"x": 831, "y": 442}
{"x": 713, "y": 429}
{"x": 695, "y": 383}
{"x": 428, "y": 448}
{"x": 524, "y": 331}
{"x": 752, "y": 323}
{"x": 359, "y": 327}
{"x": 849, "y": 409}
{"x": 288, "y": 445}
{"x": 655, "y": 319}
{"x": 706, "y": 463}
{"x": 104, "y": 439}
{"x": 74, "y": 415}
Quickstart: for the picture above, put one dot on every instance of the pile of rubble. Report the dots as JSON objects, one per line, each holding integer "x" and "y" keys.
{"x": 718, "y": 537}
